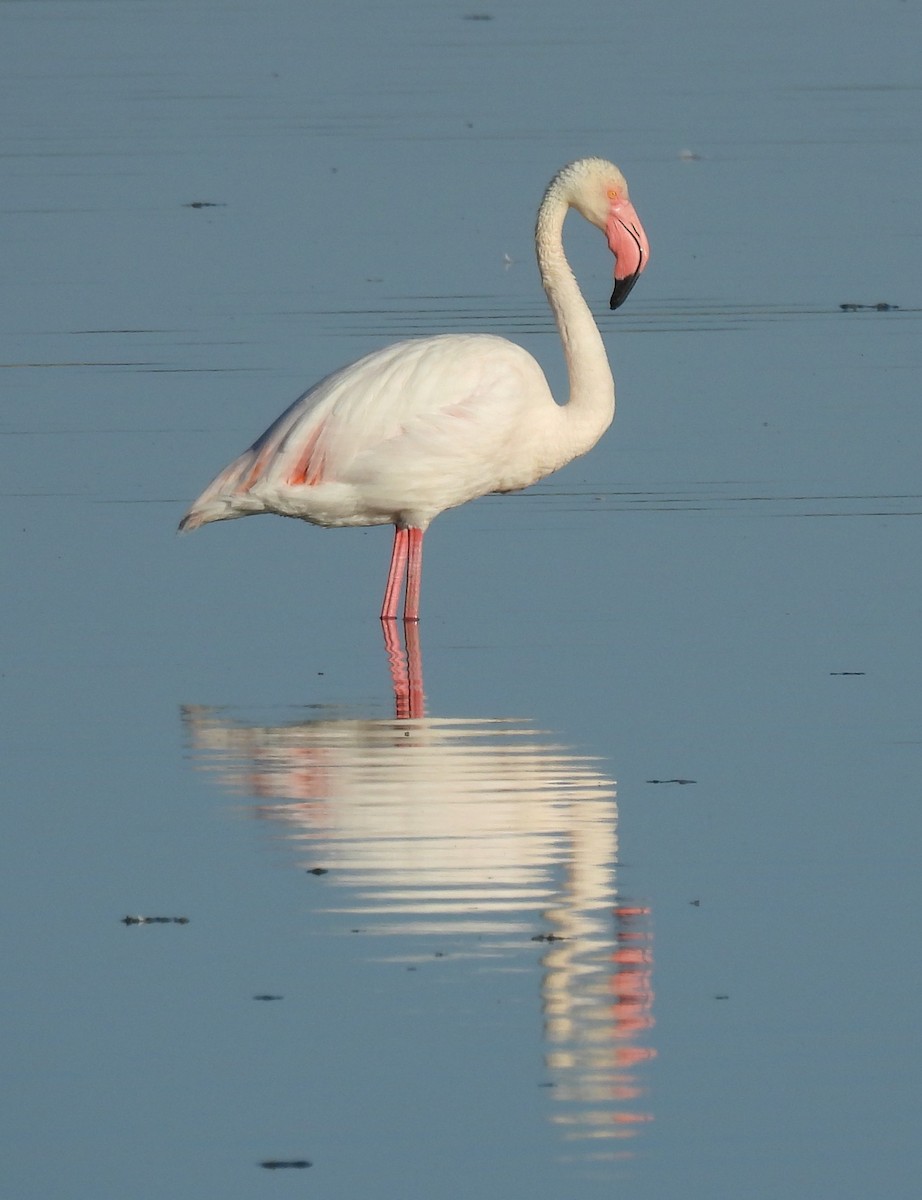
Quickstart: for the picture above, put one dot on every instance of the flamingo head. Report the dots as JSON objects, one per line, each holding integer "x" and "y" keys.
{"x": 628, "y": 242}
{"x": 599, "y": 193}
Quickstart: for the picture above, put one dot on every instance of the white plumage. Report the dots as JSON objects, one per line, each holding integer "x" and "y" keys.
{"x": 425, "y": 425}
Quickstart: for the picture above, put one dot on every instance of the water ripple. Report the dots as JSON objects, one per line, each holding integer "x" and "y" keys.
{"x": 422, "y": 315}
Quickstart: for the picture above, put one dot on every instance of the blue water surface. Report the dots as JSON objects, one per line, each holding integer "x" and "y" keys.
{"x": 633, "y": 908}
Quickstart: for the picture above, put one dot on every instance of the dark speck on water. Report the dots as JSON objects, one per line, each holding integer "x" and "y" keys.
{"x": 277, "y": 1164}
{"x": 672, "y": 781}
{"x": 317, "y": 870}
{"x": 155, "y": 920}
{"x": 880, "y": 306}
{"x": 268, "y": 997}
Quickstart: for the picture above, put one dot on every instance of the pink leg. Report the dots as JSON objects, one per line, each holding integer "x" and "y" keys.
{"x": 414, "y": 574}
{"x": 395, "y": 574}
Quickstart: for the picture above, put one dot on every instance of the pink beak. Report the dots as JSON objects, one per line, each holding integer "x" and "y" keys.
{"x": 628, "y": 242}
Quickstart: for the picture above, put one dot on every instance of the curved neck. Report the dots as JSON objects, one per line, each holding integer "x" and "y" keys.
{"x": 591, "y": 405}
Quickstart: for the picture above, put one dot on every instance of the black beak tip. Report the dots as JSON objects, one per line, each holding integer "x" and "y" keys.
{"x": 622, "y": 290}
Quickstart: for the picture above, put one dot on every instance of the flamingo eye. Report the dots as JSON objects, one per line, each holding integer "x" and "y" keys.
{"x": 612, "y": 194}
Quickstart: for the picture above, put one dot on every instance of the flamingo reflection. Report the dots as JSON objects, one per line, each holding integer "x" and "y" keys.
{"x": 406, "y": 667}
{"x": 487, "y": 832}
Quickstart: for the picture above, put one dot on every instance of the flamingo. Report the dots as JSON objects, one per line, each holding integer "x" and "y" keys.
{"x": 427, "y": 424}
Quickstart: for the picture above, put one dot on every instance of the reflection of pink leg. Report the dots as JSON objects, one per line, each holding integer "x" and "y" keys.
{"x": 414, "y": 574}
{"x": 395, "y": 575}
{"x": 417, "y": 704}
{"x": 406, "y": 669}
{"x": 397, "y": 666}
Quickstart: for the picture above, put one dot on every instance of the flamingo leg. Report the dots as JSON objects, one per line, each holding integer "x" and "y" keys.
{"x": 414, "y": 574}
{"x": 395, "y": 574}
{"x": 406, "y": 561}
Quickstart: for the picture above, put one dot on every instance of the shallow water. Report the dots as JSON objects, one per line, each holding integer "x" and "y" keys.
{"x": 619, "y": 891}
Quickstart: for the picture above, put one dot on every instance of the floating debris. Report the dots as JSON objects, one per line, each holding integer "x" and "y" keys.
{"x": 847, "y": 672}
{"x": 281, "y": 1164}
{"x": 880, "y": 306}
{"x": 672, "y": 781}
{"x": 205, "y": 204}
{"x": 155, "y": 921}
{"x": 266, "y": 996}
{"x": 317, "y": 870}
{"x": 549, "y": 937}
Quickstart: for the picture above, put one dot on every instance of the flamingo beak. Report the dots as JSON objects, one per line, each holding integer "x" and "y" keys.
{"x": 628, "y": 242}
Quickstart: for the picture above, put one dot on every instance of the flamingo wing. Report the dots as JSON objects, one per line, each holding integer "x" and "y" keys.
{"x": 416, "y": 427}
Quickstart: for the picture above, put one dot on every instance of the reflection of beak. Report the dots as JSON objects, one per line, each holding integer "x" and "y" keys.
{"x": 628, "y": 242}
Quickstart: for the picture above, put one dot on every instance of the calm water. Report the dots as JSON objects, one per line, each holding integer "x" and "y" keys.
{"x": 633, "y": 908}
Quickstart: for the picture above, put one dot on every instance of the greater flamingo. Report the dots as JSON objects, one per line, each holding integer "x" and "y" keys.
{"x": 425, "y": 425}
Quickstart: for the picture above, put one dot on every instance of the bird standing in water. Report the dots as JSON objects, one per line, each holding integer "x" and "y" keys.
{"x": 425, "y": 425}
